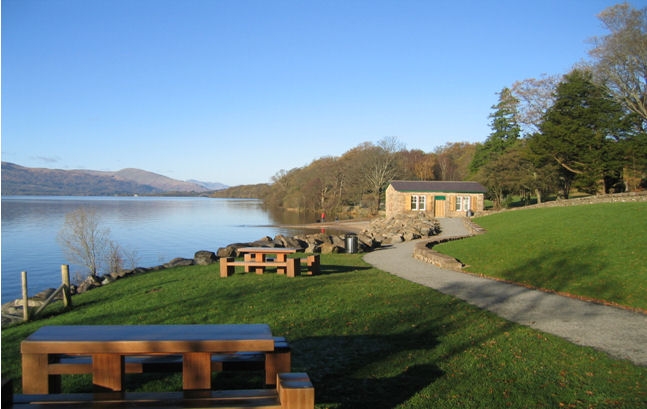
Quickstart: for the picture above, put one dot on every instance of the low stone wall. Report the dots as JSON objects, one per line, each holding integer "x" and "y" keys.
{"x": 626, "y": 197}
{"x": 424, "y": 251}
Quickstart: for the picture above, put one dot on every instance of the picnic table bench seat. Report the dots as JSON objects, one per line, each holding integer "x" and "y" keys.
{"x": 279, "y": 359}
{"x": 293, "y": 391}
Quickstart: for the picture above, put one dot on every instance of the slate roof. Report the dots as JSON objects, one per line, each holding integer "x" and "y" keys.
{"x": 437, "y": 186}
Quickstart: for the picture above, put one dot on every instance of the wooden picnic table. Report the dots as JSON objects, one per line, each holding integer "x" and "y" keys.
{"x": 257, "y": 258}
{"x": 109, "y": 344}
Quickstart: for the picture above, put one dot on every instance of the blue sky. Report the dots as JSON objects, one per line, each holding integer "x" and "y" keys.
{"x": 234, "y": 91}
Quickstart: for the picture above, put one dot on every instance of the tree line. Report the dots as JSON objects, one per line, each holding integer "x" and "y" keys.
{"x": 585, "y": 130}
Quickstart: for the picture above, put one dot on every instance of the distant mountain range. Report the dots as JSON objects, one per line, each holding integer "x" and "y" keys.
{"x": 20, "y": 180}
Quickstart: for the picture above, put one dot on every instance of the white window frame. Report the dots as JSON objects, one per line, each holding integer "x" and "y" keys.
{"x": 419, "y": 202}
{"x": 463, "y": 203}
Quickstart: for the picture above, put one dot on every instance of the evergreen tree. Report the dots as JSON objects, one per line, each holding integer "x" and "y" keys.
{"x": 505, "y": 131}
{"x": 582, "y": 132}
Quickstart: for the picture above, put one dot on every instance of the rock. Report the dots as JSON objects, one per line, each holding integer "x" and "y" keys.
{"x": 367, "y": 242}
{"x": 292, "y": 242}
{"x": 264, "y": 242}
{"x": 88, "y": 284}
{"x": 179, "y": 262}
{"x": 204, "y": 257}
{"x": 330, "y": 248}
{"x": 313, "y": 248}
{"x": 43, "y": 295}
{"x": 400, "y": 227}
{"x": 30, "y": 302}
{"x": 224, "y": 252}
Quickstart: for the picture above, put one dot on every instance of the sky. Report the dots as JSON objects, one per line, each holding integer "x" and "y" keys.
{"x": 236, "y": 91}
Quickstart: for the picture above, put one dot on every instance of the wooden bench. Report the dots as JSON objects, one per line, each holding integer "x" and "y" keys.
{"x": 312, "y": 264}
{"x": 293, "y": 391}
{"x": 280, "y": 360}
{"x": 291, "y": 267}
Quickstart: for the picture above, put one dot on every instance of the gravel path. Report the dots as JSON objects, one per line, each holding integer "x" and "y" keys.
{"x": 620, "y": 333}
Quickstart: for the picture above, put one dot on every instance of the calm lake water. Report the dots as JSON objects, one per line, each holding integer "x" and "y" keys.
{"x": 154, "y": 229}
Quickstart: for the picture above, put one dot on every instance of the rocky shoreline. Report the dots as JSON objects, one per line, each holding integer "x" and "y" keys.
{"x": 371, "y": 234}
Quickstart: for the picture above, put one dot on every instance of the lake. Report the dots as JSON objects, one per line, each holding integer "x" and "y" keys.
{"x": 154, "y": 229}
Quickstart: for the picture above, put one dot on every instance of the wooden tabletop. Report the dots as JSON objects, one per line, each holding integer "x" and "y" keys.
{"x": 143, "y": 339}
{"x": 269, "y": 250}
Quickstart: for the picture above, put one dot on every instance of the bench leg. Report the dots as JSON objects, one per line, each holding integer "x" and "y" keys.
{"x": 281, "y": 258}
{"x": 196, "y": 371}
{"x": 294, "y": 267}
{"x": 35, "y": 376}
{"x": 108, "y": 372}
{"x": 279, "y": 361}
{"x": 225, "y": 269}
{"x": 248, "y": 257}
{"x": 313, "y": 264}
{"x": 261, "y": 259}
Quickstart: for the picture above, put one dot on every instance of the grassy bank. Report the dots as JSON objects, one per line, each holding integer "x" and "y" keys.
{"x": 366, "y": 338}
{"x": 594, "y": 251}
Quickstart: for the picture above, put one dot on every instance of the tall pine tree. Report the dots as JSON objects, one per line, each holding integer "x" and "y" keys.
{"x": 505, "y": 131}
{"x": 582, "y": 132}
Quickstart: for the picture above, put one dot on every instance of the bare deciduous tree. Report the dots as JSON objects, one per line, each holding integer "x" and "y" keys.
{"x": 382, "y": 166}
{"x": 83, "y": 239}
{"x": 621, "y": 56}
{"x": 535, "y": 97}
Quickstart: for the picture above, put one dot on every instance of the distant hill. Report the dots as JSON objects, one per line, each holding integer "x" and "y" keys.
{"x": 20, "y": 180}
{"x": 209, "y": 185}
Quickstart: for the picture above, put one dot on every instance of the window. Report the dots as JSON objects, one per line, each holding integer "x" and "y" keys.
{"x": 462, "y": 203}
{"x": 418, "y": 202}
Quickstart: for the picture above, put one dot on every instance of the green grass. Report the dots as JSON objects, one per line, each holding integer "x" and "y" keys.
{"x": 366, "y": 338}
{"x": 594, "y": 251}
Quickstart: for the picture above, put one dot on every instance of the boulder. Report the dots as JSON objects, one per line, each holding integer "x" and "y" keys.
{"x": 229, "y": 251}
{"x": 291, "y": 242}
{"x": 204, "y": 257}
{"x": 179, "y": 262}
{"x": 330, "y": 248}
{"x": 88, "y": 284}
{"x": 400, "y": 227}
{"x": 45, "y": 294}
{"x": 263, "y": 242}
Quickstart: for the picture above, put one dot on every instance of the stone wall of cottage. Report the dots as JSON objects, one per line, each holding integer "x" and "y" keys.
{"x": 400, "y": 202}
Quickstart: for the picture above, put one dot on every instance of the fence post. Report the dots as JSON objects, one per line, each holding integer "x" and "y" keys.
{"x": 25, "y": 297}
{"x": 65, "y": 278}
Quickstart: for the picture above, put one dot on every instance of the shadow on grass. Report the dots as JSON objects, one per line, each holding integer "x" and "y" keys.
{"x": 577, "y": 270}
{"x": 365, "y": 371}
{"x": 337, "y": 269}
{"x": 347, "y": 372}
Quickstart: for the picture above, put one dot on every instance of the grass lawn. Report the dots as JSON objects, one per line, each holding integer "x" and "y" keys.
{"x": 595, "y": 251}
{"x": 366, "y": 338}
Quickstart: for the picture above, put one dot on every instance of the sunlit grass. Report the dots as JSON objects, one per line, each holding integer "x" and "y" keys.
{"x": 595, "y": 251}
{"x": 366, "y": 338}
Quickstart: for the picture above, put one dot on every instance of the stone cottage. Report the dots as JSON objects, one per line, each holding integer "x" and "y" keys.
{"x": 438, "y": 198}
